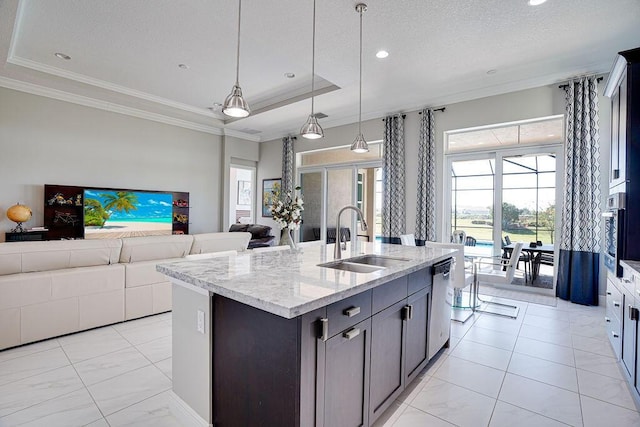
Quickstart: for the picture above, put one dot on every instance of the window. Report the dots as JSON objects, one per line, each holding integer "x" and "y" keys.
{"x": 547, "y": 130}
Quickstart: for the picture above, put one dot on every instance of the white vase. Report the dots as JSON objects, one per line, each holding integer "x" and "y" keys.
{"x": 286, "y": 238}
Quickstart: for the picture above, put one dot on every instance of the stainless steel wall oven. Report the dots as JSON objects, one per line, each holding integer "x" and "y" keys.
{"x": 614, "y": 233}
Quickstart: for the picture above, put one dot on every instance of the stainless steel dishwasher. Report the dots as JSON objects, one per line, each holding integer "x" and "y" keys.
{"x": 440, "y": 313}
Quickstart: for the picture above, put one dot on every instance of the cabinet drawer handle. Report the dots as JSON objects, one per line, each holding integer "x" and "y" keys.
{"x": 614, "y": 334}
{"x": 324, "y": 333}
{"x": 606, "y": 319}
{"x": 351, "y": 333}
{"x": 608, "y": 293}
{"x": 350, "y": 312}
{"x": 616, "y": 304}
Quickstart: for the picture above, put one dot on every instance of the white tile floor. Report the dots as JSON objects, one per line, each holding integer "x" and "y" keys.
{"x": 552, "y": 366}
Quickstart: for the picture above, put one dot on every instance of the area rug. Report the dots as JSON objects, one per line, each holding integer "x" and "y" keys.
{"x": 519, "y": 296}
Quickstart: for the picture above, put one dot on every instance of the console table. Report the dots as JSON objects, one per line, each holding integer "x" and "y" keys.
{"x": 27, "y": 236}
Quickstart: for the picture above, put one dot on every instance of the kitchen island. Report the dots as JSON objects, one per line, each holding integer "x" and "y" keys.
{"x": 273, "y": 338}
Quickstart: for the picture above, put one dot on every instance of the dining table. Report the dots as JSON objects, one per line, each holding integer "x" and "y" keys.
{"x": 535, "y": 254}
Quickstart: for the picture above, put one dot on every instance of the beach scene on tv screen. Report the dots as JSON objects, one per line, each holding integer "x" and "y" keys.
{"x": 116, "y": 214}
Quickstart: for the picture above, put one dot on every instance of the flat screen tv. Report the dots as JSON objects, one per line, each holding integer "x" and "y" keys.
{"x": 123, "y": 213}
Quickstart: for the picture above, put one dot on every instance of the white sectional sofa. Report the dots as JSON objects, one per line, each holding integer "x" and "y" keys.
{"x": 53, "y": 288}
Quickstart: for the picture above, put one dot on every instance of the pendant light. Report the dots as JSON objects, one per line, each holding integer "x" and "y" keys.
{"x": 235, "y": 104}
{"x": 311, "y": 129}
{"x": 360, "y": 145}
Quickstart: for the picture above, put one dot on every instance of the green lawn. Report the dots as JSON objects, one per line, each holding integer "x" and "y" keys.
{"x": 485, "y": 232}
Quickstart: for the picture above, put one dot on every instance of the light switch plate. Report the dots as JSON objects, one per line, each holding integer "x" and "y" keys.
{"x": 201, "y": 321}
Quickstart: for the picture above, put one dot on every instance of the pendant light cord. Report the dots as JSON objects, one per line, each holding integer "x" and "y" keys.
{"x": 238, "y": 50}
{"x": 360, "y": 96}
{"x": 313, "y": 57}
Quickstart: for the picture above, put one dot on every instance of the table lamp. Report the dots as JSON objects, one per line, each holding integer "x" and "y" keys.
{"x": 19, "y": 213}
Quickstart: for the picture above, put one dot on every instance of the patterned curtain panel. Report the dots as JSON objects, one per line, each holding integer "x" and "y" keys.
{"x": 578, "y": 266}
{"x": 426, "y": 212}
{"x": 287, "y": 165}
{"x": 393, "y": 184}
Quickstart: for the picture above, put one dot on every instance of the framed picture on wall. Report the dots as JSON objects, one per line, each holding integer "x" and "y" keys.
{"x": 270, "y": 193}
{"x": 244, "y": 193}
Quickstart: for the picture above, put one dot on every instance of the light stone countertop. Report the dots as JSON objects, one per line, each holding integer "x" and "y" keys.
{"x": 634, "y": 265}
{"x": 289, "y": 284}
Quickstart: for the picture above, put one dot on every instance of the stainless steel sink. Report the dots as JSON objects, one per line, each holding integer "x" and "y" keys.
{"x": 364, "y": 263}
{"x": 353, "y": 267}
{"x": 379, "y": 260}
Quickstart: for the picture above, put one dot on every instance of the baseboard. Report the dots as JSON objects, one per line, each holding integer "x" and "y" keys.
{"x": 184, "y": 413}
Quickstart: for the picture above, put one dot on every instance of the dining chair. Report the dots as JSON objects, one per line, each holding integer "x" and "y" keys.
{"x": 461, "y": 278}
{"x": 470, "y": 241}
{"x": 407, "y": 239}
{"x": 459, "y": 237}
{"x": 498, "y": 272}
{"x": 524, "y": 257}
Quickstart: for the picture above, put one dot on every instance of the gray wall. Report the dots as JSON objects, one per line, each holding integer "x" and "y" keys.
{"x": 521, "y": 105}
{"x": 46, "y": 141}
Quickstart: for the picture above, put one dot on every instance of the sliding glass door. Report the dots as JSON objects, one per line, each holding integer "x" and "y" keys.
{"x": 504, "y": 197}
{"x": 327, "y": 189}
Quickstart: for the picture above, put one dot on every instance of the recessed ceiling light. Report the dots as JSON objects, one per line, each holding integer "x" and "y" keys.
{"x": 289, "y": 75}
{"x": 536, "y": 2}
{"x": 183, "y": 66}
{"x": 62, "y": 56}
{"x": 382, "y": 54}
{"x": 492, "y": 71}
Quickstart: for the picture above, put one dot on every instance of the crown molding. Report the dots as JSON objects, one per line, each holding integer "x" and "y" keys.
{"x": 47, "y": 69}
{"x": 108, "y": 106}
{"x": 241, "y": 135}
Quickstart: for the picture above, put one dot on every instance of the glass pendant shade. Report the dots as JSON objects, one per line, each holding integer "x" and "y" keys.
{"x": 311, "y": 129}
{"x": 360, "y": 145}
{"x": 235, "y": 105}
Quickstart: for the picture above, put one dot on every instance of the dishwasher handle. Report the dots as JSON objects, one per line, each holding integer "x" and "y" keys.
{"x": 442, "y": 267}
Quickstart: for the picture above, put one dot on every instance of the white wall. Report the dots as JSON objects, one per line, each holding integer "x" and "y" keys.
{"x": 46, "y": 141}
{"x": 240, "y": 152}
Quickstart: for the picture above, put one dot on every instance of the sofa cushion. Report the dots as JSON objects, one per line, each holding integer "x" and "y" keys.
{"x": 144, "y": 273}
{"x": 238, "y": 227}
{"x": 258, "y": 231}
{"x": 25, "y": 257}
{"x": 135, "y": 249}
{"x": 217, "y": 242}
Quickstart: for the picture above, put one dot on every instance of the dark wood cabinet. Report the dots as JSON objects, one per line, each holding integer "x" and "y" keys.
{"x": 64, "y": 211}
{"x": 26, "y": 236}
{"x": 623, "y": 87}
{"x": 340, "y": 365}
{"x": 417, "y": 335}
{"x": 387, "y": 354}
{"x": 346, "y": 377}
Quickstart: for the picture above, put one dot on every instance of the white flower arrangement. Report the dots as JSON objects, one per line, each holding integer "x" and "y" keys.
{"x": 287, "y": 211}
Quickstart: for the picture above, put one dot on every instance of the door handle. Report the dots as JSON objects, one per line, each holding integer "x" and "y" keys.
{"x": 351, "y": 333}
